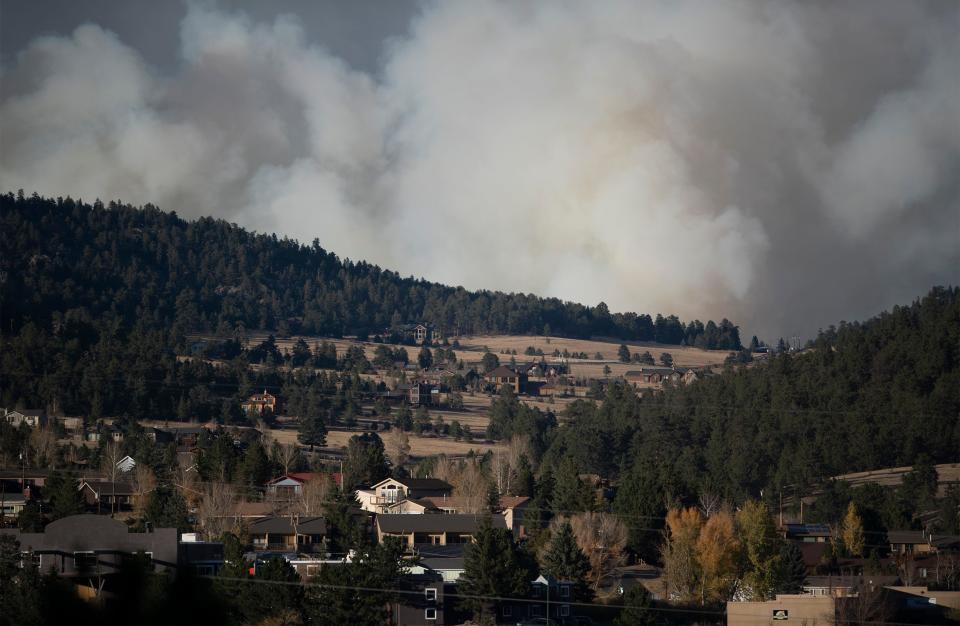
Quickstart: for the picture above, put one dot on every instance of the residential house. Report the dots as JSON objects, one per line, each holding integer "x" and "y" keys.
{"x": 389, "y": 491}
{"x": 504, "y": 376}
{"x": 909, "y": 542}
{"x": 11, "y": 504}
{"x": 511, "y": 507}
{"x": 290, "y": 485}
{"x": 549, "y": 598}
{"x": 652, "y": 375}
{"x": 420, "y": 393}
{"x": 806, "y": 533}
{"x": 842, "y": 586}
{"x": 433, "y": 529}
{"x": 85, "y": 545}
{"x": 34, "y": 418}
{"x": 260, "y": 403}
{"x": 445, "y": 561}
{"x": 105, "y": 495}
{"x": 304, "y": 534}
{"x": 205, "y": 558}
{"x": 421, "y": 600}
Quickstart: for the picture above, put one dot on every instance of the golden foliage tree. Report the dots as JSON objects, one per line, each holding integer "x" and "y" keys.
{"x": 851, "y": 531}
{"x": 761, "y": 548}
{"x": 717, "y": 550}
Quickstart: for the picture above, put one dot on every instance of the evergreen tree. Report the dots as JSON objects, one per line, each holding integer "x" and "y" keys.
{"x": 564, "y": 560}
{"x": 166, "y": 508}
{"x": 636, "y": 611}
{"x": 493, "y": 568}
{"x": 366, "y": 462}
{"x": 61, "y": 492}
{"x": 313, "y": 431}
{"x": 623, "y": 352}
{"x": 570, "y": 494}
{"x": 793, "y": 571}
{"x": 425, "y": 358}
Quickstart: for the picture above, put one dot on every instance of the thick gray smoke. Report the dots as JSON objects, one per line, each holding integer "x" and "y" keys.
{"x": 785, "y": 165}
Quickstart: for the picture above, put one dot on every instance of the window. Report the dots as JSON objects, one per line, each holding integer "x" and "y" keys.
{"x": 508, "y": 611}
{"x": 564, "y": 591}
{"x": 84, "y": 561}
{"x": 430, "y": 593}
{"x": 30, "y": 557}
{"x": 565, "y": 610}
{"x": 430, "y": 614}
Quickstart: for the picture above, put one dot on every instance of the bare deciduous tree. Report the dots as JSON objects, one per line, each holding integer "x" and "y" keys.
{"x": 285, "y": 455}
{"x": 314, "y": 495}
{"x": 603, "y": 538}
{"x": 444, "y": 469}
{"x": 472, "y": 486}
{"x": 144, "y": 482}
{"x": 216, "y": 506}
{"x": 112, "y": 454}
{"x": 397, "y": 445}
{"x": 44, "y": 442}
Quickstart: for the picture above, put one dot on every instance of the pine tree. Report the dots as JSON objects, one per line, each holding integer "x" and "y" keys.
{"x": 623, "y": 352}
{"x": 493, "y": 567}
{"x": 793, "y": 571}
{"x": 564, "y": 560}
{"x": 313, "y": 431}
{"x": 636, "y": 610}
{"x": 570, "y": 494}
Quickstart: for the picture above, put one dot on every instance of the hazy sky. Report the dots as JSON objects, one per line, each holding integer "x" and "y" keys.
{"x": 786, "y": 165}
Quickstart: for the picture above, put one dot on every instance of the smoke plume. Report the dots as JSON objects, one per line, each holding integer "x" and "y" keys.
{"x": 785, "y": 165}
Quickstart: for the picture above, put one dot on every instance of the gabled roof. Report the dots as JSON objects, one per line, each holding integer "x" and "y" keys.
{"x": 283, "y": 526}
{"x": 451, "y": 523}
{"x": 906, "y": 536}
{"x": 422, "y": 484}
{"x": 500, "y": 371}
{"x": 106, "y": 488}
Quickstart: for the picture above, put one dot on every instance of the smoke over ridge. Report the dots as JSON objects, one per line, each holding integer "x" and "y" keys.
{"x": 785, "y": 165}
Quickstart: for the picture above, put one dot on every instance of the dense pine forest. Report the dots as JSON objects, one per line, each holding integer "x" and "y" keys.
{"x": 70, "y": 262}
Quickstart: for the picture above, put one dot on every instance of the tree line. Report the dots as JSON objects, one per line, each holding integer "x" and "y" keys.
{"x": 68, "y": 263}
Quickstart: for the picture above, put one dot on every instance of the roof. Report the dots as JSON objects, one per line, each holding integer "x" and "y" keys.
{"x": 426, "y": 484}
{"x": 449, "y": 522}
{"x": 500, "y": 371}
{"x": 108, "y": 488}
{"x": 808, "y": 530}
{"x": 442, "y": 563}
{"x": 252, "y": 509}
{"x": 453, "y": 502}
{"x": 906, "y": 536}
{"x": 848, "y": 582}
{"x": 283, "y": 526}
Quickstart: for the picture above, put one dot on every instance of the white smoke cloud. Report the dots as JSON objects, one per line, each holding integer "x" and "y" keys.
{"x": 710, "y": 159}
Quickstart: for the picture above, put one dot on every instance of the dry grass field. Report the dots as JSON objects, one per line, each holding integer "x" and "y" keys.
{"x": 472, "y": 349}
{"x": 419, "y": 446}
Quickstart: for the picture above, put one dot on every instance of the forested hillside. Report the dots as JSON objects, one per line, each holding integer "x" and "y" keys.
{"x": 881, "y": 393}
{"x": 69, "y": 260}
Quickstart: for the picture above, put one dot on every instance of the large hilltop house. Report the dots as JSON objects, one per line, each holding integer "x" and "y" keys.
{"x": 260, "y": 403}
{"x": 419, "y": 333}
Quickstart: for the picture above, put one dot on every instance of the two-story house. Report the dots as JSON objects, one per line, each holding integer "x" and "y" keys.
{"x": 442, "y": 530}
{"x": 504, "y": 376}
{"x": 289, "y": 534}
{"x": 389, "y": 491}
{"x": 260, "y": 403}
